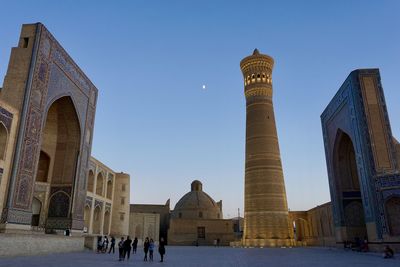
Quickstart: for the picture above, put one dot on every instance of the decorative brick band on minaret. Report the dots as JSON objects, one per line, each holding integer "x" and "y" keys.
{"x": 266, "y": 216}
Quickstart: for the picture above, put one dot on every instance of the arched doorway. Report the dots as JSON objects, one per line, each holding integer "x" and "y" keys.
{"x": 393, "y": 215}
{"x": 348, "y": 187}
{"x": 99, "y": 184}
{"x": 97, "y": 220}
{"x": 61, "y": 139}
{"x": 36, "y": 209}
{"x": 302, "y": 231}
{"x": 3, "y": 141}
{"x": 91, "y": 181}
{"x": 86, "y": 218}
{"x": 106, "y": 224}
{"x": 109, "y": 189}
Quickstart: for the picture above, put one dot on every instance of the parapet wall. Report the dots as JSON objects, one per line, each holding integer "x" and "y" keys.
{"x": 36, "y": 244}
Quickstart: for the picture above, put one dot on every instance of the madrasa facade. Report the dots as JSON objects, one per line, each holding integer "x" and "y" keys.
{"x": 49, "y": 183}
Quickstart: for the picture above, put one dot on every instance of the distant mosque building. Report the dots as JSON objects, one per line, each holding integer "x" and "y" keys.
{"x": 197, "y": 219}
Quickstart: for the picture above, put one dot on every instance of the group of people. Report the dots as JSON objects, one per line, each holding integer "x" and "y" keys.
{"x": 126, "y": 245}
{"x": 103, "y": 242}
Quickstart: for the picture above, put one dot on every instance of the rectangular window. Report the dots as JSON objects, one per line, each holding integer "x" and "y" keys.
{"x": 201, "y": 232}
{"x": 123, "y": 187}
{"x": 122, "y": 201}
{"x": 25, "y": 42}
{"x": 121, "y": 216}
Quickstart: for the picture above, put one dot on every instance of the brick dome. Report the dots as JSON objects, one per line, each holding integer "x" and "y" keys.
{"x": 197, "y": 204}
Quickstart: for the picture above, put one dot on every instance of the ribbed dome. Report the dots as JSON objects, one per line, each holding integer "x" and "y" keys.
{"x": 197, "y": 205}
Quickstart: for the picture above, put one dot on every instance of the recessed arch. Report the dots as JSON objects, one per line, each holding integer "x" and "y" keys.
{"x": 96, "y": 220}
{"x": 109, "y": 189}
{"x": 90, "y": 186}
{"x": 36, "y": 210}
{"x": 392, "y": 207}
{"x": 106, "y": 224}
{"x": 347, "y": 183}
{"x": 59, "y": 205}
{"x": 86, "y": 218}
{"x": 60, "y": 146}
{"x": 99, "y": 184}
{"x": 302, "y": 229}
{"x": 3, "y": 140}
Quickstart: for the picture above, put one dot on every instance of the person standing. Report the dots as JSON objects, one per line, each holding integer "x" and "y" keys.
{"x": 161, "y": 249}
{"x": 146, "y": 245}
{"x": 151, "y": 249}
{"x": 99, "y": 244}
{"x": 134, "y": 245}
{"x": 105, "y": 244}
{"x": 127, "y": 247}
{"x": 121, "y": 249}
{"x": 112, "y": 246}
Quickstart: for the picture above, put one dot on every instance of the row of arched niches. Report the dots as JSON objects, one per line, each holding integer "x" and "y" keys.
{"x": 258, "y": 78}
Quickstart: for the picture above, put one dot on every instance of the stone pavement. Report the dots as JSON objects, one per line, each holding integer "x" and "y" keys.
{"x": 210, "y": 256}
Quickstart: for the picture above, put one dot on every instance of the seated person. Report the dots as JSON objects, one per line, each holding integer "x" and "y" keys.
{"x": 388, "y": 253}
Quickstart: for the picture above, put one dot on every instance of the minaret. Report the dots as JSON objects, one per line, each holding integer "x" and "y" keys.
{"x": 266, "y": 221}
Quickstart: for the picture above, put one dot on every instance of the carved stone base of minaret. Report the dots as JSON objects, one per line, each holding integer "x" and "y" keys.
{"x": 268, "y": 243}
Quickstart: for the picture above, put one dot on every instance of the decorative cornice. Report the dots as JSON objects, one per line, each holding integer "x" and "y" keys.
{"x": 256, "y": 91}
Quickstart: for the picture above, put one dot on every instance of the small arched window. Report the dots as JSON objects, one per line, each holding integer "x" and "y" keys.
{"x": 200, "y": 214}
{"x": 180, "y": 215}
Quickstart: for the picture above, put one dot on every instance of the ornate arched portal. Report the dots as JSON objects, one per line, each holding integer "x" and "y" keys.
{"x": 59, "y": 154}
{"x": 348, "y": 187}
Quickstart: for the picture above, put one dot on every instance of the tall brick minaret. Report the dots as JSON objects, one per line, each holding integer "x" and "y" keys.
{"x": 266, "y": 221}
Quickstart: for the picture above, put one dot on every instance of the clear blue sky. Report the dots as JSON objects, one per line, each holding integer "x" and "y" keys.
{"x": 149, "y": 60}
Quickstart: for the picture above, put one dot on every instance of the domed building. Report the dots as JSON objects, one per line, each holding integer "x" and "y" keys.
{"x": 198, "y": 219}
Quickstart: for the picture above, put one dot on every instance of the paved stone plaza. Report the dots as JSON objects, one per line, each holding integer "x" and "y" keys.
{"x": 210, "y": 256}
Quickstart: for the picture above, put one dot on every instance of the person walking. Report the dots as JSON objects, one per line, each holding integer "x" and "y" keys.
{"x": 127, "y": 247}
{"x": 151, "y": 249}
{"x": 146, "y": 245}
{"x": 161, "y": 249}
{"x": 121, "y": 249}
{"x": 134, "y": 245}
{"x": 112, "y": 246}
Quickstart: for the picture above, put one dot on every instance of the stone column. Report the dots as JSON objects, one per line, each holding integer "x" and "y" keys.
{"x": 90, "y": 231}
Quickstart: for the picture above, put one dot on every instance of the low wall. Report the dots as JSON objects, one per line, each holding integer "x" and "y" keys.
{"x": 91, "y": 242}
{"x": 27, "y": 244}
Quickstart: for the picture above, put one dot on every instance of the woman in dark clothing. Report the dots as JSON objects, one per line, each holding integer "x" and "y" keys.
{"x": 146, "y": 245}
{"x": 121, "y": 249}
{"x": 161, "y": 249}
{"x": 127, "y": 247}
{"x": 112, "y": 246}
{"x": 134, "y": 245}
